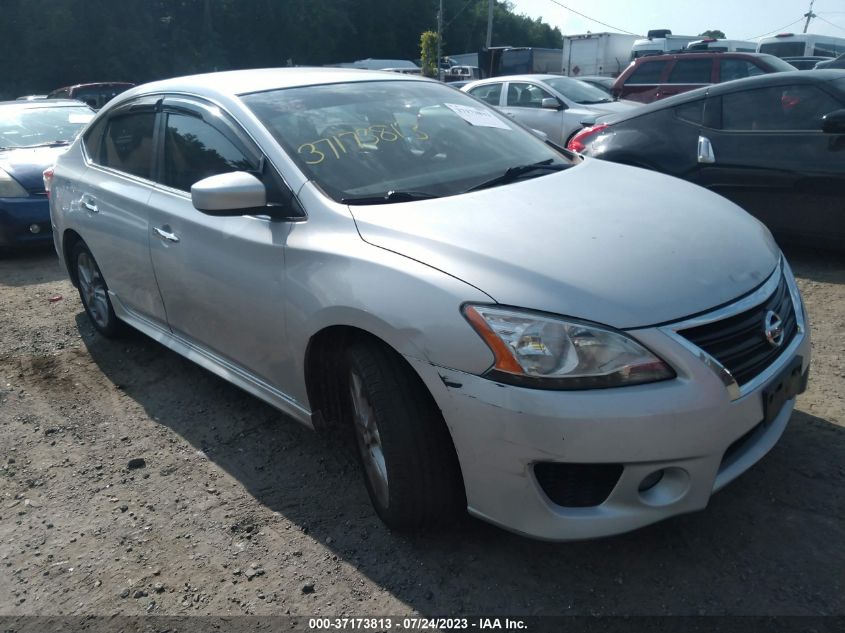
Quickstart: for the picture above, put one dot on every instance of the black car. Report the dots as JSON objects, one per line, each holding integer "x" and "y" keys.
{"x": 774, "y": 144}
{"x": 839, "y": 62}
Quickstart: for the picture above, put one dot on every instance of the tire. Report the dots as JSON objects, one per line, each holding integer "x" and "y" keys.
{"x": 409, "y": 463}
{"x": 94, "y": 292}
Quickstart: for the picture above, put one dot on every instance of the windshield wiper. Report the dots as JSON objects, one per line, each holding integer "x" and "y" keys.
{"x": 389, "y": 197}
{"x": 48, "y": 144}
{"x": 518, "y": 171}
{"x": 594, "y": 102}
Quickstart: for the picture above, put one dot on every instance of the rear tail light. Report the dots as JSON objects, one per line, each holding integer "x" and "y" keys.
{"x": 48, "y": 180}
{"x": 578, "y": 143}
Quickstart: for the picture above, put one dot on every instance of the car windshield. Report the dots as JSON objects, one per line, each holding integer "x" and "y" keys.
{"x": 783, "y": 49}
{"x": 376, "y": 138}
{"x": 777, "y": 63}
{"x": 22, "y": 126}
{"x": 577, "y": 91}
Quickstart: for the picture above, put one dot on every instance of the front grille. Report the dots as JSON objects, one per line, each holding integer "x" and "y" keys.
{"x": 739, "y": 342}
{"x": 577, "y": 485}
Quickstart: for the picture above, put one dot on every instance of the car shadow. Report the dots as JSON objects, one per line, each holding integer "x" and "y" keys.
{"x": 825, "y": 266}
{"x": 29, "y": 267}
{"x": 770, "y": 543}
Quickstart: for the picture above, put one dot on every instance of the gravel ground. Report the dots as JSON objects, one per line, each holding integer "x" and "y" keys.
{"x": 134, "y": 482}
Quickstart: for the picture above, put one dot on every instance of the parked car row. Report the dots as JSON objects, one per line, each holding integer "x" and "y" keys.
{"x": 773, "y": 143}
{"x": 551, "y": 104}
{"x": 32, "y": 135}
{"x": 566, "y": 347}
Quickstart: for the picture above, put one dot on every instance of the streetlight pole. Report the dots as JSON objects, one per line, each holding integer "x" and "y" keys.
{"x": 489, "y": 23}
{"x": 809, "y": 15}
{"x": 439, "y": 37}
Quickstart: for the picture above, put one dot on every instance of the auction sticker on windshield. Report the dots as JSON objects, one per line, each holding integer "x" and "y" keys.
{"x": 477, "y": 116}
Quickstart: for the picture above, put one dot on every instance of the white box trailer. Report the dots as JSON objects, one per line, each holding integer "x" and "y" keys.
{"x": 590, "y": 54}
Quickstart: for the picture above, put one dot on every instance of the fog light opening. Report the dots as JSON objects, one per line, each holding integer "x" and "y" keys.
{"x": 651, "y": 480}
{"x": 34, "y": 229}
{"x": 665, "y": 486}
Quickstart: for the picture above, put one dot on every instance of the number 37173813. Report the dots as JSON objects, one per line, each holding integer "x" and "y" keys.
{"x": 315, "y": 152}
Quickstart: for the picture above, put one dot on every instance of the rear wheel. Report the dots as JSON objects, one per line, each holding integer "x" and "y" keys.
{"x": 94, "y": 292}
{"x": 410, "y": 466}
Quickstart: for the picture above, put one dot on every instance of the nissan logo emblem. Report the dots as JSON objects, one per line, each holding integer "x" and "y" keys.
{"x": 773, "y": 328}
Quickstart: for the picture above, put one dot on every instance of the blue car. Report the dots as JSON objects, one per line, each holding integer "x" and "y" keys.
{"x": 32, "y": 135}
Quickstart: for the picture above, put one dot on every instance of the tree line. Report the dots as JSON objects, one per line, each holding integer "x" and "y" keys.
{"x": 52, "y": 43}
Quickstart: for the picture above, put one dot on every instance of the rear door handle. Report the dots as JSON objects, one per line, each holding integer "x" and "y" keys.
{"x": 89, "y": 205}
{"x": 705, "y": 151}
{"x": 165, "y": 235}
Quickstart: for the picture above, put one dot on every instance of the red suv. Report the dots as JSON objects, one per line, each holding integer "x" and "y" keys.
{"x": 654, "y": 77}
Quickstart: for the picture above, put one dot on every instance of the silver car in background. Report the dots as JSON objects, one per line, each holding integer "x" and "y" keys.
{"x": 554, "y": 105}
{"x": 384, "y": 256}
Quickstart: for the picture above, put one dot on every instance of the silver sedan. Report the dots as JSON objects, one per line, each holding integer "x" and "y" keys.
{"x": 493, "y": 326}
{"x": 557, "y": 106}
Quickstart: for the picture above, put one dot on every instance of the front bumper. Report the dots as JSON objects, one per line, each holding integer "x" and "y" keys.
{"x": 695, "y": 429}
{"x": 18, "y": 215}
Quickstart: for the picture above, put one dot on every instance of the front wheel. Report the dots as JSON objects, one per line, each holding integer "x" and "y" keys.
{"x": 410, "y": 466}
{"x": 94, "y": 292}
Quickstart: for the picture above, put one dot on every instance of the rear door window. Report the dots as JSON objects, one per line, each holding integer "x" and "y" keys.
{"x": 691, "y": 71}
{"x": 128, "y": 143}
{"x": 781, "y": 108}
{"x": 731, "y": 69}
{"x": 647, "y": 73}
{"x": 526, "y": 95}
{"x": 491, "y": 93}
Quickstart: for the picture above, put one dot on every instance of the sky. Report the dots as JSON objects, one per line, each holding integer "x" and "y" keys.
{"x": 738, "y": 19}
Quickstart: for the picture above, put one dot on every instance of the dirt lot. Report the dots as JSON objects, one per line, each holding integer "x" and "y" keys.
{"x": 240, "y": 511}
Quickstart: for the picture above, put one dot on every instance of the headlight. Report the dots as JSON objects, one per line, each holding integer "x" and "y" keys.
{"x": 11, "y": 188}
{"x": 535, "y": 350}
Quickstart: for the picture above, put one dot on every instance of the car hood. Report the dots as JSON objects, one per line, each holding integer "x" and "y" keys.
{"x": 27, "y": 165}
{"x": 607, "y": 108}
{"x": 612, "y": 244}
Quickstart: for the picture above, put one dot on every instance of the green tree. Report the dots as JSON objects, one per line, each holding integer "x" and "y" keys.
{"x": 428, "y": 53}
{"x": 716, "y": 33}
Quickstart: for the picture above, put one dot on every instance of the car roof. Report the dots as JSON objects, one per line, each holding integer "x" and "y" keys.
{"x": 44, "y": 103}
{"x": 791, "y": 77}
{"x": 708, "y": 54}
{"x": 233, "y": 83}
{"x": 534, "y": 77}
{"x": 94, "y": 84}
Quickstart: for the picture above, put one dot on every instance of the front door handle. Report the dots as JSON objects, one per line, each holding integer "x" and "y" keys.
{"x": 165, "y": 235}
{"x": 89, "y": 205}
{"x": 705, "y": 151}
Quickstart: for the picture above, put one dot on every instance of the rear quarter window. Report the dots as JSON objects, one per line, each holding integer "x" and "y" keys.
{"x": 691, "y": 112}
{"x": 92, "y": 139}
{"x": 489, "y": 93}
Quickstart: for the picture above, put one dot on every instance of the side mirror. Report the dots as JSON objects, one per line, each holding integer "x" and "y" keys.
{"x": 550, "y": 103}
{"x": 834, "y": 122}
{"x": 232, "y": 194}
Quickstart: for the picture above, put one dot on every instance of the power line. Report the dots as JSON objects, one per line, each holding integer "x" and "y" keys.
{"x": 455, "y": 17}
{"x": 775, "y": 30}
{"x": 831, "y": 23}
{"x": 610, "y": 26}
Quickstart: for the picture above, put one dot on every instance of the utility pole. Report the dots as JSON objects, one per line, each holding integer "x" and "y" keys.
{"x": 809, "y": 15}
{"x": 489, "y": 23}
{"x": 439, "y": 38}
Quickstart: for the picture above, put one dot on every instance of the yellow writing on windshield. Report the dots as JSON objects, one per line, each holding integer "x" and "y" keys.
{"x": 361, "y": 138}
